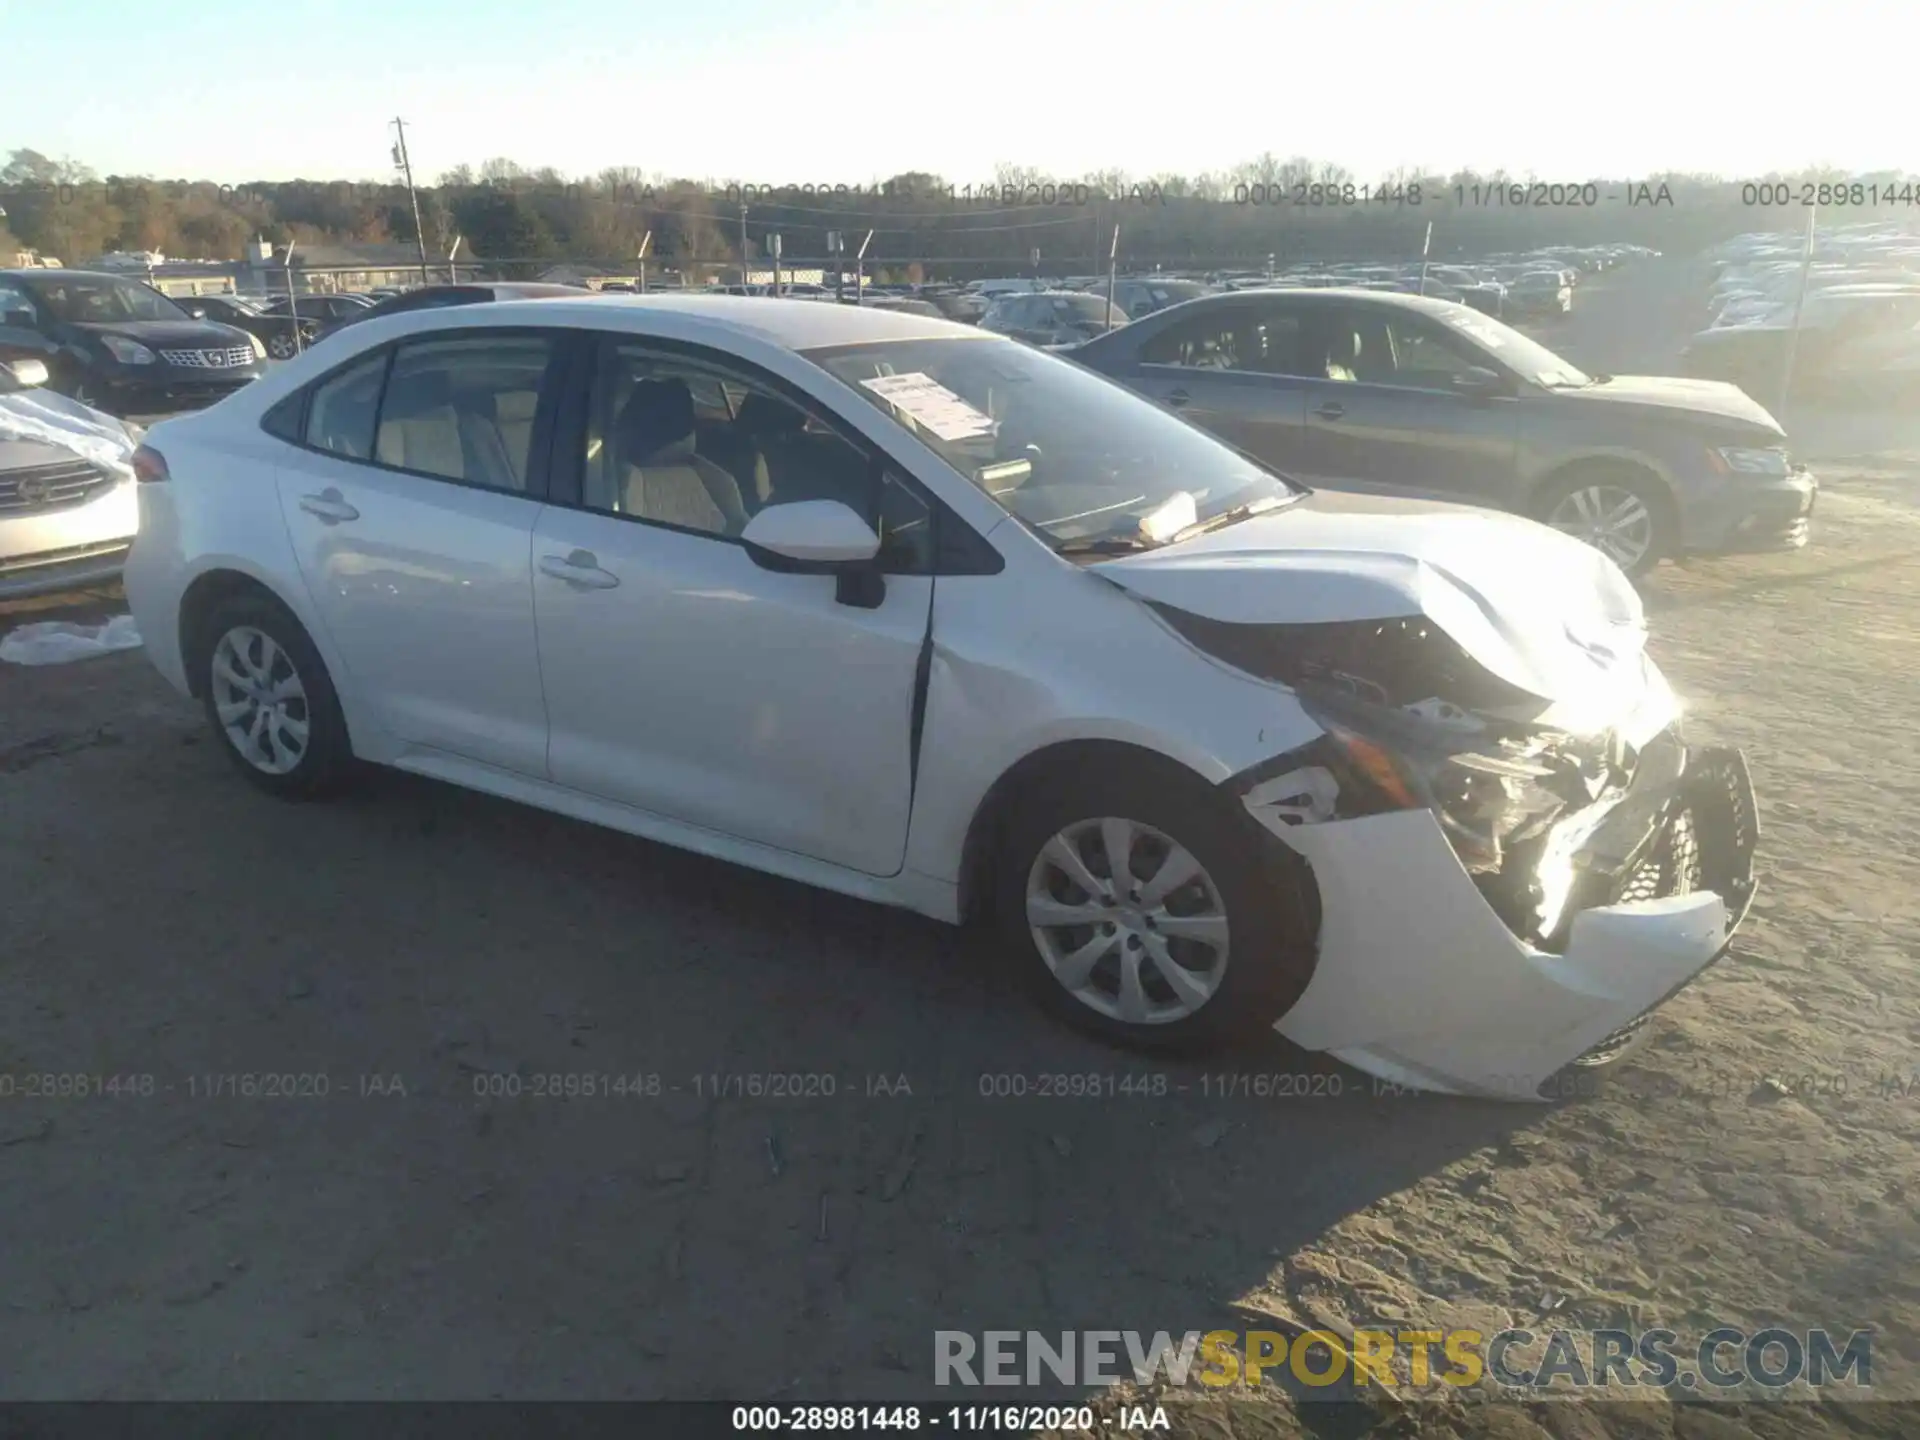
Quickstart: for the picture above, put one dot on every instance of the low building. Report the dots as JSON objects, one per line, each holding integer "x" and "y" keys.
{"x": 350, "y": 267}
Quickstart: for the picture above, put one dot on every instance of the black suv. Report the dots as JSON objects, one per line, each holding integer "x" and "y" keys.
{"x": 121, "y": 346}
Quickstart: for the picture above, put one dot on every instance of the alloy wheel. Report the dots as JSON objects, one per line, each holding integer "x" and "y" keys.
{"x": 1128, "y": 921}
{"x": 260, "y": 700}
{"x": 1612, "y": 519}
{"x": 280, "y": 347}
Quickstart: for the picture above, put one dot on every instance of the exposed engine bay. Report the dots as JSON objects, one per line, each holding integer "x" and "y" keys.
{"x": 1547, "y": 821}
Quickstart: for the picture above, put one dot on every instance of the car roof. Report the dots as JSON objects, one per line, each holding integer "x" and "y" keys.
{"x": 41, "y": 272}
{"x": 1327, "y": 294}
{"x": 787, "y": 324}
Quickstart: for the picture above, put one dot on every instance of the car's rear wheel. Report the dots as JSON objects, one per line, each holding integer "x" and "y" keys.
{"x": 270, "y": 700}
{"x": 1146, "y": 912}
{"x": 1620, "y": 511}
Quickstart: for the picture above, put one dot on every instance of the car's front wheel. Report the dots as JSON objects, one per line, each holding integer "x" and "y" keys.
{"x": 1145, "y": 911}
{"x": 270, "y": 700}
{"x": 281, "y": 346}
{"x": 1618, "y": 510}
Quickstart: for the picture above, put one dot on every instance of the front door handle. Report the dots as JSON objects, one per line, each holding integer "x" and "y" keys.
{"x": 1177, "y": 398}
{"x": 579, "y": 569}
{"x": 329, "y": 505}
{"x": 1332, "y": 410}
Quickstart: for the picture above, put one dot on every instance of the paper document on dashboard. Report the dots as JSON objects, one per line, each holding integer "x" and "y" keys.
{"x": 927, "y": 401}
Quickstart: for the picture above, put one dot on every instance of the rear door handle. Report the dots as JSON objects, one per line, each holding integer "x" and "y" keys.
{"x": 1332, "y": 410}
{"x": 1178, "y": 397}
{"x": 329, "y": 505}
{"x": 580, "y": 569}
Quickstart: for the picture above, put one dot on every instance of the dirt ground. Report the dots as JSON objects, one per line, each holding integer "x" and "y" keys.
{"x": 409, "y": 1236}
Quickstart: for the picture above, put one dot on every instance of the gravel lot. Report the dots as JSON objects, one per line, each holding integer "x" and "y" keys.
{"x": 1756, "y": 1163}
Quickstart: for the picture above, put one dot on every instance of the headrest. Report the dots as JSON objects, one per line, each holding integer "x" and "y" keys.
{"x": 658, "y": 415}
{"x": 765, "y": 416}
{"x": 414, "y": 393}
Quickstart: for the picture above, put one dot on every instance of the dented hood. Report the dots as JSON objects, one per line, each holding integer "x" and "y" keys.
{"x": 1539, "y": 609}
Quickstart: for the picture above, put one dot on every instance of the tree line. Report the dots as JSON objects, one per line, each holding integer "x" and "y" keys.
{"x": 1292, "y": 208}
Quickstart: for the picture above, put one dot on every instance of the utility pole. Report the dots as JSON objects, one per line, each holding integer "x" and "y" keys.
{"x": 743, "y": 249}
{"x": 405, "y": 166}
{"x": 1113, "y": 274}
{"x": 1799, "y": 305}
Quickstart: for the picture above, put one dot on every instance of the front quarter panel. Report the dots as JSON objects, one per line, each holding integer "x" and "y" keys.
{"x": 1046, "y": 653}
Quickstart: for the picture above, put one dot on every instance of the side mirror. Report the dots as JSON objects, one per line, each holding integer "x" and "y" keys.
{"x": 819, "y": 537}
{"x": 24, "y": 374}
{"x": 810, "y": 537}
{"x": 1479, "y": 382}
{"x": 198, "y": 312}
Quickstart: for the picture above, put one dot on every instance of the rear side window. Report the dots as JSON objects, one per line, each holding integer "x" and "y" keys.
{"x": 340, "y": 419}
{"x": 462, "y": 408}
{"x": 283, "y": 420}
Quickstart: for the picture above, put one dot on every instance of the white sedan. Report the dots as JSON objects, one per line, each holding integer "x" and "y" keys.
{"x": 912, "y": 612}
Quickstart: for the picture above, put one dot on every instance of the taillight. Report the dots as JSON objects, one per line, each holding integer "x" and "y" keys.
{"x": 149, "y": 465}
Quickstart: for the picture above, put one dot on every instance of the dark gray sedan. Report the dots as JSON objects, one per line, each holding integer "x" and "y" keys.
{"x": 1399, "y": 394}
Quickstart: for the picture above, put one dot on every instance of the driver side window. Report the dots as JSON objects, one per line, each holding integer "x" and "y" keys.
{"x": 1426, "y": 357}
{"x": 14, "y": 304}
{"x": 675, "y": 442}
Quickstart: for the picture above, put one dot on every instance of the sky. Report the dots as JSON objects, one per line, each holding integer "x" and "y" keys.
{"x": 847, "y": 91}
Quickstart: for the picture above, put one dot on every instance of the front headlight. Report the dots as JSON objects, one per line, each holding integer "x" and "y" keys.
{"x": 259, "y": 350}
{"x": 127, "y": 352}
{"x": 1743, "y": 460}
{"x": 1489, "y": 790}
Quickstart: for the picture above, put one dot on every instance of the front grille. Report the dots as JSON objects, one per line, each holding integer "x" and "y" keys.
{"x": 1708, "y": 844}
{"x": 226, "y": 359}
{"x": 40, "y": 488}
{"x": 1672, "y": 869}
{"x": 67, "y": 555}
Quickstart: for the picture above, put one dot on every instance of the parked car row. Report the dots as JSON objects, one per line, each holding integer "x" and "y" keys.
{"x": 1852, "y": 333}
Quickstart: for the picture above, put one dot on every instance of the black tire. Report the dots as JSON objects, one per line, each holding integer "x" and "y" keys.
{"x": 281, "y": 346}
{"x": 1663, "y": 522}
{"x": 1268, "y": 894}
{"x": 326, "y": 759}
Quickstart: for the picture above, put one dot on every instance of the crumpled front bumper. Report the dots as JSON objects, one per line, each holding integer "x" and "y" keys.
{"x": 1422, "y": 984}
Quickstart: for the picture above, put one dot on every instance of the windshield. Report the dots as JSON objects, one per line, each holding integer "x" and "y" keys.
{"x": 99, "y": 299}
{"x": 1527, "y": 358}
{"x": 1071, "y": 454}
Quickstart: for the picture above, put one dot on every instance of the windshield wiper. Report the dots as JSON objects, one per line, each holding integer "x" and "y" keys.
{"x": 1232, "y": 516}
{"x": 1103, "y": 545}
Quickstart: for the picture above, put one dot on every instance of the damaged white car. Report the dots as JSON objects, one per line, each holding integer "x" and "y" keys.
{"x": 67, "y": 509}
{"x": 895, "y": 607}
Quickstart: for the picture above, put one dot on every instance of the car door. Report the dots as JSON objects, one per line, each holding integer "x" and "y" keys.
{"x": 22, "y": 336}
{"x": 1384, "y": 415}
{"x": 1232, "y": 369}
{"x": 411, "y": 507}
{"x": 681, "y": 677}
